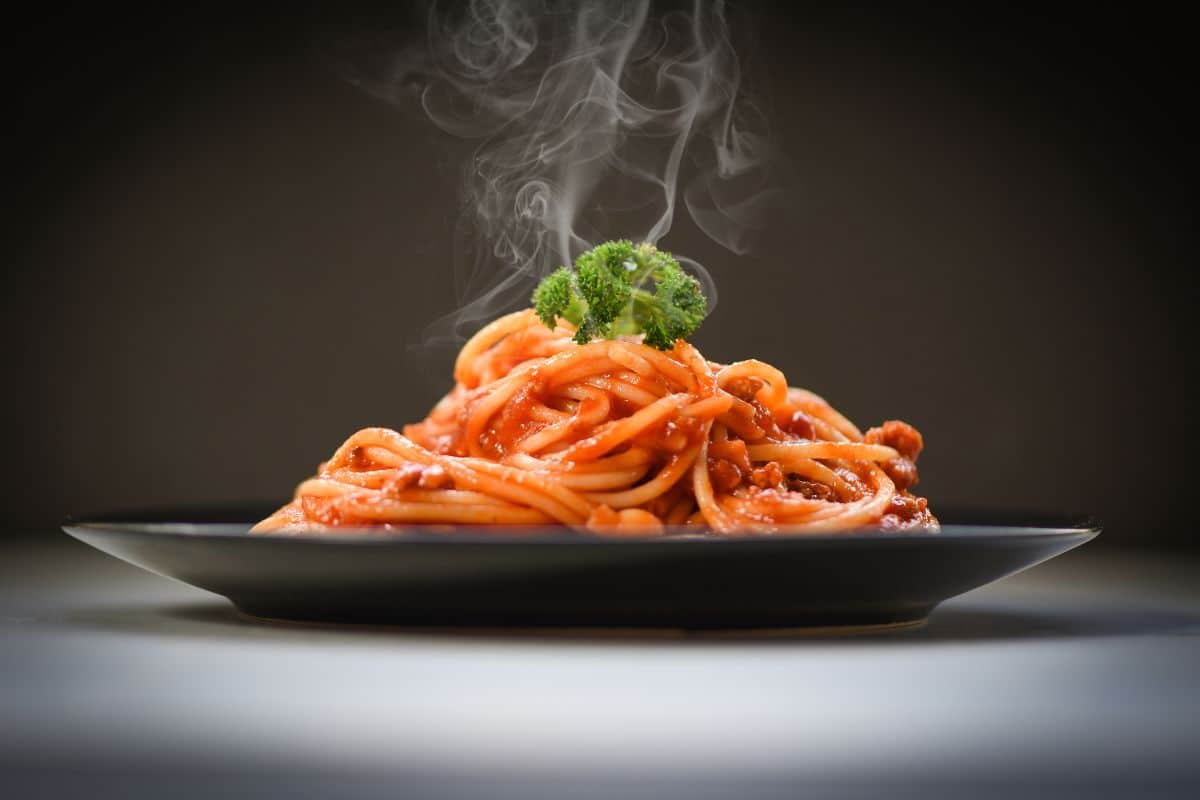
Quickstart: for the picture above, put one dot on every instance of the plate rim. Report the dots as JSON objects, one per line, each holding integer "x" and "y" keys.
{"x": 1082, "y": 526}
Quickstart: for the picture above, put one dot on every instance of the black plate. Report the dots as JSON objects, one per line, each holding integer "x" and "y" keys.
{"x": 467, "y": 577}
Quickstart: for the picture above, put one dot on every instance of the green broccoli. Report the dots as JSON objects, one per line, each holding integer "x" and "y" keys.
{"x": 556, "y": 297}
{"x": 608, "y": 294}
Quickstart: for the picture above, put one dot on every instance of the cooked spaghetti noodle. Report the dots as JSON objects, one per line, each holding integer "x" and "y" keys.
{"x": 620, "y": 438}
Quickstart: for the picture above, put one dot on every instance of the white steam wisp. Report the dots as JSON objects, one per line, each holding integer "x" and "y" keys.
{"x": 584, "y": 112}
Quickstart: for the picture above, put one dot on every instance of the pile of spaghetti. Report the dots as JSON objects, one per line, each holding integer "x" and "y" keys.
{"x": 621, "y": 438}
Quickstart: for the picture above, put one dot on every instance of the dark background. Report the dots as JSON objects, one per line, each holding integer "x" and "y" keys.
{"x": 219, "y": 253}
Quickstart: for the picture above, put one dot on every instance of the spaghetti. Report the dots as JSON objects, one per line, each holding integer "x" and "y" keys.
{"x": 620, "y": 438}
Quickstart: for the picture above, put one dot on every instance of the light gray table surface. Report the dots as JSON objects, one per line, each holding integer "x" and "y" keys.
{"x": 1079, "y": 677}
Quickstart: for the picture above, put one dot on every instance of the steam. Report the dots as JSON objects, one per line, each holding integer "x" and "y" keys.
{"x": 584, "y": 113}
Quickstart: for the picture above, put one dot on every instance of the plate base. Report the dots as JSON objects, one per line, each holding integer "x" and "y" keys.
{"x": 434, "y": 620}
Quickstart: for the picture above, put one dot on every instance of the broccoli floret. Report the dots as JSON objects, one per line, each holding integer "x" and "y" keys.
{"x": 603, "y": 280}
{"x": 674, "y": 311}
{"x": 617, "y": 257}
{"x": 608, "y": 295}
{"x": 554, "y": 296}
